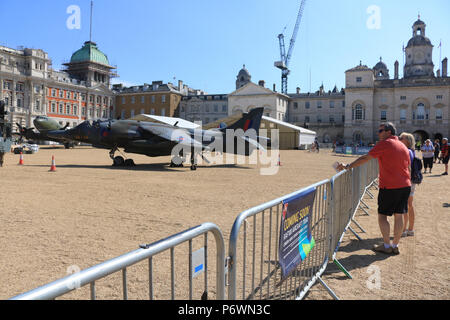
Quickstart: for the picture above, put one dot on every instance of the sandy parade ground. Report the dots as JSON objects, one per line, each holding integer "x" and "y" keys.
{"x": 88, "y": 212}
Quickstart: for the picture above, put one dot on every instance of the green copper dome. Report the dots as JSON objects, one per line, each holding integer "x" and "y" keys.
{"x": 89, "y": 52}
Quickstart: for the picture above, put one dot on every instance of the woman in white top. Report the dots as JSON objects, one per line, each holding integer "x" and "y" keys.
{"x": 427, "y": 155}
{"x": 409, "y": 141}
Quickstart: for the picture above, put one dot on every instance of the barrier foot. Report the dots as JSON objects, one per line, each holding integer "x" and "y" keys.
{"x": 356, "y": 235}
{"x": 335, "y": 297}
{"x": 359, "y": 226}
{"x": 365, "y": 211}
{"x": 341, "y": 267}
{"x": 365, "y": 205}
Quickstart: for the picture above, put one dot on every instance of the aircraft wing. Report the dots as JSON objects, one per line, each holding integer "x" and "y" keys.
{"x": 171, "y": 133}
{"x": 172, "y": 121}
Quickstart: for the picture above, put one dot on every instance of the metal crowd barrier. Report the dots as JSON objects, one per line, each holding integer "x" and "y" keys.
{"x": 121, "y": 263}
{"x": 348, "y": 190}
{"x": 253, "y": 267}
{"x": 254, "y": 270}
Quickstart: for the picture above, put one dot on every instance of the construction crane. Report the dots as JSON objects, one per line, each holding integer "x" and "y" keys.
{"x": 283, "y": 64}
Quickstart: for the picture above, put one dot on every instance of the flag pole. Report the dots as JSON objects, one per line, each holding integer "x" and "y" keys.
{"x": 90, "y": 26}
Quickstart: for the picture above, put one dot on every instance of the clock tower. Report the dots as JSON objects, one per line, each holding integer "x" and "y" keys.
{"x": 419, "y": 53}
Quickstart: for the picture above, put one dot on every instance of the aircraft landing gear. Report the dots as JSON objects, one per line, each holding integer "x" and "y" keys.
{"x": 177, "y": 162}
{"x": 193, "y": 162}
{"x": 119, "y": 161}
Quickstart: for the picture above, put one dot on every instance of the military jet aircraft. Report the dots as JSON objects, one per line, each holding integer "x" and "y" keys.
{"x": 44, "y": 125}
{"x": 156, "y": 139}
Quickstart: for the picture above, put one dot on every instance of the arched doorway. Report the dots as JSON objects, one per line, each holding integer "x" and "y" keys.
{"x": 421, "y": 136}
{"x": 438, "y": 136}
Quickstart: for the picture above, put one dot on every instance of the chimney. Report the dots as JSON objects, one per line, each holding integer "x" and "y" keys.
{"x": 180, "y": 85}
{"x": 274, "y": 88}
{"x": 262, "y": 83}
{"x": 396, "y": 70}
{"x": 444, "y": 67}
{"x": 298, "y": 90}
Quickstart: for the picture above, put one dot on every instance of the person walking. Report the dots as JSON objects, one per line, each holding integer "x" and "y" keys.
{"x": 437, "y": 149}
{"x": 409, "y": 141}
{"x": 394, "y": 184}
{"x": 445, "y": 155}
{"x": 427, "y": 155}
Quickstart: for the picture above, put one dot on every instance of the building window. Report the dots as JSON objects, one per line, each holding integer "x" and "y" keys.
{"x": 53, "y": 92}
{"x": 439, "y": 97}
{"x": 133, "y": 100}
{"x": 383, "y": 115}
{"x": 331, "y": 104}
{"x": 123, "y": 100}
{"x": 68, "y": 94}
{"x": 53, "y": 108}
{"x": 152, "y": 111}
{"x": 420, "y": 111}
{"x": 295, "y": 105}
{"x": 319, "y": 104}
{"x": 19, "y": 103}
{"x": 68, "y": 109}
{"x": 402, "y": 114}
{"x": 61, "y": 108}
{"x": 163, "y": 111}
{"x": 306, "y": 118}
{"x": 224, "y": 108}
{"x": 331, "y": 119}
{"x": 343, "y": 103}
{"x": 75, "y": 109}
{"x": 358, "y": 113}
{"x": 307, "y": 105}
{"x": 403, "y": 98}
{"x": 37, "y": 105}
{"x": 358, "y": 79}
{"x": 439, "y": 114}
{"x": 61, "y": 93}
{"x": 142, "y": 99}
{"x": 163, "y": 99}
{"x": 153, "y": 99}
{"x": 319, "y": 119}
{"x": 216, "y": 108}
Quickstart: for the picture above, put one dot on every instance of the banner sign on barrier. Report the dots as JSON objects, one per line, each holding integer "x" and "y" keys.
{"x": 295, "y": 234}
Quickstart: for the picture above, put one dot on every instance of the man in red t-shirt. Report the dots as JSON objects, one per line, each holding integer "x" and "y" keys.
{"x": 394, "y": 183}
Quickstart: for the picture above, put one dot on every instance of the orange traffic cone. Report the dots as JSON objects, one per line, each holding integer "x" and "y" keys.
{"x": 53, "y": 167}
{"x": 21, "y": 159}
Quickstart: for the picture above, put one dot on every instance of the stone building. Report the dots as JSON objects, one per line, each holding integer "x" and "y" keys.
{"x": 418, "y": 103}
{"x": 31, "y": 88}
{"x": 322, "y": 112}
{"x": 157, "y": 98}
{"x": 204, "y": 107}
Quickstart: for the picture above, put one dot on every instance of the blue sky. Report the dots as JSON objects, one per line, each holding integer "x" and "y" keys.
{"x": 206, "y": 42}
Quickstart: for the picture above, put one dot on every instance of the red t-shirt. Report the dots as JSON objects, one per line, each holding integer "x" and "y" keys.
{"x": 393, "y": 160}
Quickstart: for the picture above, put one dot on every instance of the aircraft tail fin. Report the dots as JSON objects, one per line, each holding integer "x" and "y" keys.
{"x": 251, "y": 120}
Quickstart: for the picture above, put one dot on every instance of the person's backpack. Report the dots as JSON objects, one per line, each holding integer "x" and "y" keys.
{"x": 416, "y": 170}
